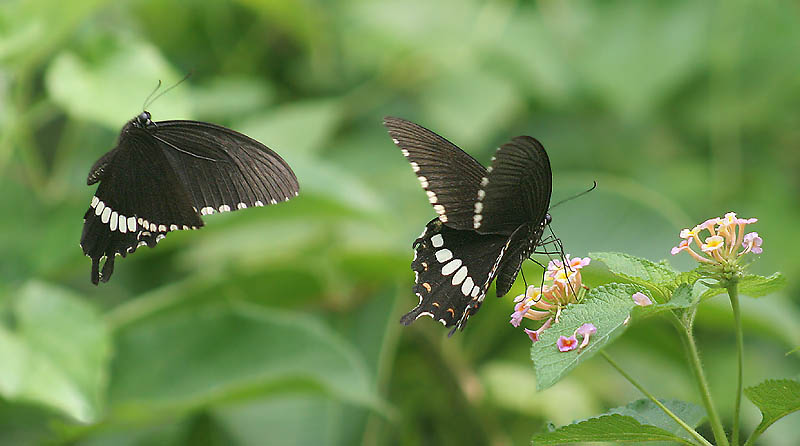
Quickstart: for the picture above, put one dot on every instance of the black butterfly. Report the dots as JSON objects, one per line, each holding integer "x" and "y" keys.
{"x": 162, "y": 176}
{"x": 490, "y": 220}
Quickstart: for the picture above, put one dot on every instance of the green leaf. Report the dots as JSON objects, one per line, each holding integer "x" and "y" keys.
{"x": 655, "y": 276}
{"x": 227, "y": 96}
{"x": 631, "y": 267}
{"x": 559, "y": 404}
{"x": 336, "y": 183}
{"x": 468, "y": 113}
{"x": 753, "y": 285}
{"x": 54, "y": 352}
{"x": 681, "y": 298}
{"x": 646, "y": 412}
{"x": 613, "y": 427}
{"x": 190, "y": 357}
{"x": 299, "y": 128}
{"x": 31, "y": 30}
{"x": 607, "y": 307}
{"x": 776, "y": 398}
{"x": 111, "y": 91}
{"x": 279, "y": 419}
{"x": 645, "y": 39}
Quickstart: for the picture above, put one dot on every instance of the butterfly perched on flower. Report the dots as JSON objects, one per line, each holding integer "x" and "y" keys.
{"x": 489, "y": 219}
{"x": 163, "y": 176}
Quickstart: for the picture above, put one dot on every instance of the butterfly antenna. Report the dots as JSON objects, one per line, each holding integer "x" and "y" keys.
{"x": 144, "y": 104}
{"x": 148, "y": 101}
{"x": 594, "y": 186}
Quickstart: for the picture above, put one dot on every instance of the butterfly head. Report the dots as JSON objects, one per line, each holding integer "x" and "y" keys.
{"x": 143, "y": 120}
{"x": 547, "y": 219}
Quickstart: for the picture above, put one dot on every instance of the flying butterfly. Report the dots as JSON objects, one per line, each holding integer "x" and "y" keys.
{"x": 490, "y": 219}
{"x": 163, "y": 176}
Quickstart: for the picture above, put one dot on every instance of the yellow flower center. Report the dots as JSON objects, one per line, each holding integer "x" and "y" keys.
{"x": 713, "y": 243}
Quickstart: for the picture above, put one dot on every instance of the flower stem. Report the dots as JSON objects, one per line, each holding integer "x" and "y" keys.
{"x": 685, "y": 329}
{"x": 733, "y": 293}
{"x": 658, "y": 403}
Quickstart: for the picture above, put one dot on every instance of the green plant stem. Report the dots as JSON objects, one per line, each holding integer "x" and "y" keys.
{"x": 757, "y": 433}
{"x": 733, "y": 293}
{"x": 658, "y": 403}
{"x": 685, "y": 329}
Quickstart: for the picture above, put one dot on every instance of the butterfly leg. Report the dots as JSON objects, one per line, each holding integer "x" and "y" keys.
{"x": 544, "y": 268}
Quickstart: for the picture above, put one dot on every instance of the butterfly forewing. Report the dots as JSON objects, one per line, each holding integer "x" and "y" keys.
{"x": 450, "y": 177}
{"x": 223, "y": 169}
{"x": 453, "y": 268}
{"x": 516, "y": 189}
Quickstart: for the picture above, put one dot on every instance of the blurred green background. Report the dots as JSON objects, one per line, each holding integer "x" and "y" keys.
{"x": 279, "y": 325}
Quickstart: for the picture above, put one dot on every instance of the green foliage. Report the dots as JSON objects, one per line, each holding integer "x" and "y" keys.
{"x": 679, "y": 110}
{"x": 655, "y": 276}
{"x": 55, "y": 350}
{"x": 71, "y": 80}
{"x": 215, "y": 351}
{"x": 635, "y": 269}
{"x": 753, "y": 285}
{"x": 646, "y": 412}
{"x": 639, "y": 421}
{"x": 776, "y": 398}
{"x": 618, "y": 428}
{"x": 607, "y": 307}
{"x": 681, "y": 298}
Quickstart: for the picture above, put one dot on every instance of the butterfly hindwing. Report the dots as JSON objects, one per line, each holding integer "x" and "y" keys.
{"x": 521, "y": 245}
{"x": 138, "y": 201}
{"x": 450, "y": 177}
{"x": 453, "y": 268}
{"x": 516, "y": 189}
{"x": 224, "y": 170}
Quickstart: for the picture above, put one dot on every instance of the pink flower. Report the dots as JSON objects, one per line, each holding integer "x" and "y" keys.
{"x": 578, "y": 263}
{"x": 713, "y": 243}
{"x": 709, "y": 224}
{"x": 725, "y": 243}
{"x": 535, "y": 334}
{"x": 585, "y": 330}
{"x": 519, "y": 312}
{"x": 562, "y": 277}
{"x": 641, "y": 299}
{"x": 556, "y": 265}
{"x": 566, "y": 344}
{"x": 684, "y": 244}
{"x": 752, "y": 242}
{"x": 562, "y": 286}
{"x": 729, "y": 219}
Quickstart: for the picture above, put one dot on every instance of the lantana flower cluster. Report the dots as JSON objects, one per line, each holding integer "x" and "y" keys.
{"x": 720, "y": 243}
{"x": 562, "y": 286}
